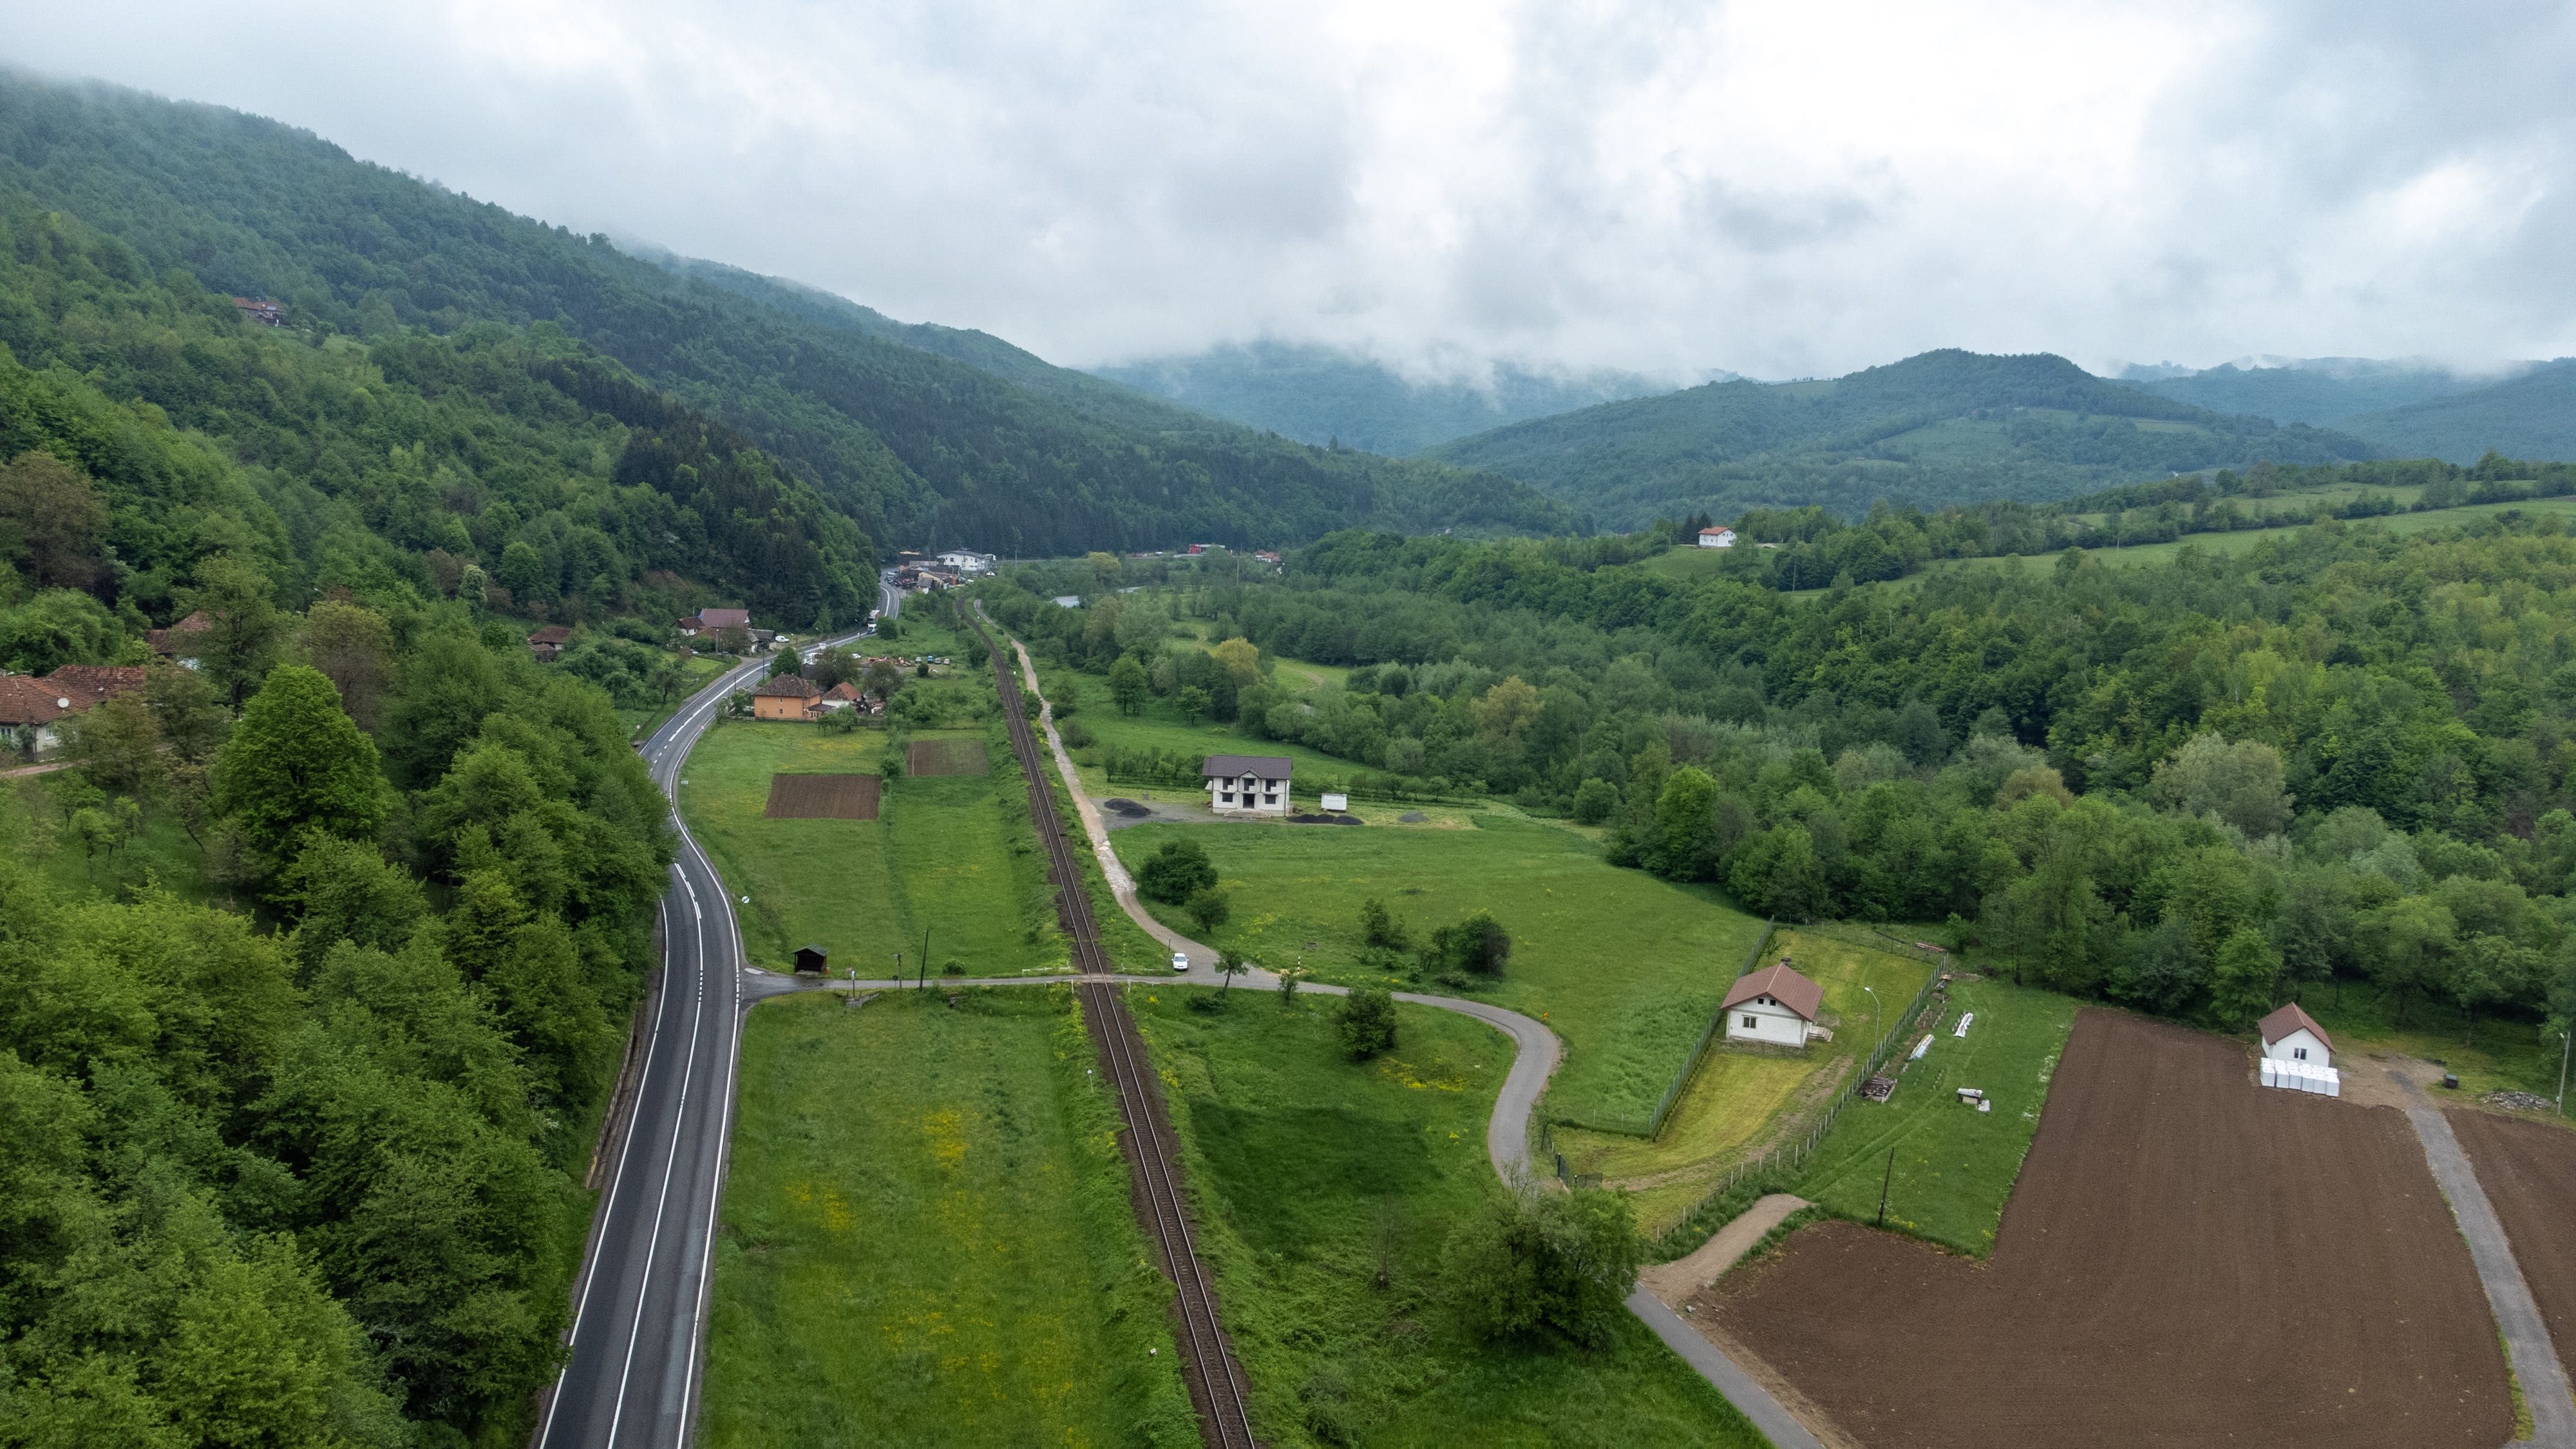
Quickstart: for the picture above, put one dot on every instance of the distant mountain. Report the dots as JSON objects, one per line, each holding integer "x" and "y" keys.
{"x": 2530, "y": 417}
{"x": 1943, "y": 427}
{"x": 1319, "y": 395}
{"x": 2318, "y": 391}
{"x": 920, "y": 435}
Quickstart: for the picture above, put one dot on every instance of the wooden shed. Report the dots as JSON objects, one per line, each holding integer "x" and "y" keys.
{"x": 811, "y": 960}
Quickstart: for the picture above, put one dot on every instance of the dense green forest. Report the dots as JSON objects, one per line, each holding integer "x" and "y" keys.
{"x": 1320, "y": 395}
{"x": 2318, "y": 391}
{"x": 2197, "y": 788}
{"x": 1944, "y": 427}
{"x": 314, "y": 966}
{"x": 919, "y": 448}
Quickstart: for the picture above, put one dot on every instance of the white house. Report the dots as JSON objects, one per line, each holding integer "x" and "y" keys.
{"x": 2291, "y": 1035}
{"x": 1775, "y": 1005}
{"x": 1247, "y": 782}
{"x": 968, "y": 561}
{"x": 1717, "y": 538}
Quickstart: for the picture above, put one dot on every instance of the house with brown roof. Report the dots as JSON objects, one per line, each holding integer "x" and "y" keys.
{"x": 32, "y": 710}
{"x": 846, "y": 695}
{"x": 715, "y": 621}
{"x": 1774, "y": 1005}
{"x": 182, "y": 640}
{"x": 2291, "y": 1035}
{"x": 785, "y": 697}
{"x": 548, "y": 643}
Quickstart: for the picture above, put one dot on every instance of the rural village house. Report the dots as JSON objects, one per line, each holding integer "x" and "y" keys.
{"x": 784, "y": 696}
{"x": 548, "y": 643}
{"x": 968, "y": 561}
{"x": 1775, "y": 1005}
{"x": 32, "y": 710}
{"x": 1247, "y": 782}
{"x": 2291, "y": 1035}
{"x": 715, "y": 621}
{"x": 1717, "y": 538}
{"x": 181, "y": 640}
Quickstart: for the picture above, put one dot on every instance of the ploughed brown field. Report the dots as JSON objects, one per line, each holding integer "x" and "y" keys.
{"x": 947, "y": 757}
{"x": 2529, "y": 1172}
{"x": 822, "y": 797}
{"x": 2188, "y": 1259}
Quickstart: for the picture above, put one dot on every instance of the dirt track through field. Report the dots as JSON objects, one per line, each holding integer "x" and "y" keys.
{"x": 2188, "y": 1260}
{"x": 822, "y": 797}
{"x": 2529, "y": 1172}
{"x": 948, "y": 757}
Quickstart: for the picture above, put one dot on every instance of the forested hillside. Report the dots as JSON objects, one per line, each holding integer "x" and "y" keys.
{"x": 314, "y": 966}
{"x": 2318, "y": 391}
{"x": 1944, "y": 427}
{"x": 2530, "y": 416}
{"x": 2197, "y": 789}
{"x": 917, "y": 447}
{"x": 1319, "y": 395}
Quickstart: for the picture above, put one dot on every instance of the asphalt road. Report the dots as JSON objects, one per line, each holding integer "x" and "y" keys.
{"x": 640, "y": 1303}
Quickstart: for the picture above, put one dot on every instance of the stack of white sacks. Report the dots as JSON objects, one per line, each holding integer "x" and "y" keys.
{"x": 2302, "y": 1077}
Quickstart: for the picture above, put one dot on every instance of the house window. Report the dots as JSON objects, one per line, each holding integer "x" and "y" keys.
{"x": 2299, "y": 1053}
{"x": 1229, "y": 797}
{"x": 1749, "y": 1022}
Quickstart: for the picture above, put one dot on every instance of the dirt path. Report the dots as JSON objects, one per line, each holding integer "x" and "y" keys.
{"x": 1677, "y": 1280}
{"x": 1535, "y": 1056}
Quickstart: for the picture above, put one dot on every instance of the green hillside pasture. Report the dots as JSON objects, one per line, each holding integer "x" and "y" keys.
{"x": 1625, "y": 967}
{"x": 1954, "y": 1165}
{"x": 927, "y": 1238}
{"x": 1740, "y": 1096}
{"x": 1313, "y": 1172}
{"x": 952, "y": 854}
{"x": 2245, "y": 539}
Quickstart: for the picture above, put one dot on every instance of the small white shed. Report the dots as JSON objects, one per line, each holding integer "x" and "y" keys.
{"x": 2291, "y": 1035}
{"x": 1775, "y": 1005}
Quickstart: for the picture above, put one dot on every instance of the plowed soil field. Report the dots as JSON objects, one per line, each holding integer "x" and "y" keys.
{"x": 948, "y": 757}
{"x": 2187, "y": 1260}
{"x": 2529, "y": 1172}
{"x": 822, "y": 797}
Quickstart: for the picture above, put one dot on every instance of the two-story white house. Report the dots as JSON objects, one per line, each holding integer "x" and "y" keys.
{"x": 1247, "y": 782}
{"x": 1774, "y": 1005}
{"x": 968, "y": 561}
{"x": 1717, "y": 538}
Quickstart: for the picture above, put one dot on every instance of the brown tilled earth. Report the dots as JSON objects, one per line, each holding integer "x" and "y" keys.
{"x": 948, "y": 757}
{"x": 2187, "y": 1260}
{"x": 2529, "y": 1172}
{"x": 822, "y": 797}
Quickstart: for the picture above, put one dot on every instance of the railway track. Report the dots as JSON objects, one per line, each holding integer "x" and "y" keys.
{"x": 1208, "y": 1364}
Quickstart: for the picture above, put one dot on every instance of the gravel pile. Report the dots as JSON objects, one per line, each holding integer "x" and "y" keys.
{"x": 2519, "y": 1102}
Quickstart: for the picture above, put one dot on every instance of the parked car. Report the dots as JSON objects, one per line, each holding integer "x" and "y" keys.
{"x": 1180, "y": 960}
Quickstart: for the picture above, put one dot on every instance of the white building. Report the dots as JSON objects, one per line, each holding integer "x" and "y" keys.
{"x": 1717, "y": 538}
{"x": 968, "y": 561}
{"x": 1774, "y": 1005}
{"x": 1237, "y": 783}
{"x": 2291, "y": 1035}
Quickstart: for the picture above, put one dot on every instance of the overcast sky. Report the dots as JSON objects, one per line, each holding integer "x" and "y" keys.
{"x": 1790, "y": 188}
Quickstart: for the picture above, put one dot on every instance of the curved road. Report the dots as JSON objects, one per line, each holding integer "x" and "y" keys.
{"x": 640, "y": 1303}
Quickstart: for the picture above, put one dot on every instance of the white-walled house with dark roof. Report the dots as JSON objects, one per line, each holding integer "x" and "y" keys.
{"x": 1236, "y": 783}
{"x": 1774, "y": 1005}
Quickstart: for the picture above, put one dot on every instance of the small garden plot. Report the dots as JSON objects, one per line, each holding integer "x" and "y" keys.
{"x": 927, "y": 1237}
{"x": 2528, "y": 1170}
{"x": 2188, "y": 1260}
{"x": 822, "y": 797}
{"x": 1327, "y": 1190}
{"x": 1625, "y": 967}
{"x": 948, "y": 757}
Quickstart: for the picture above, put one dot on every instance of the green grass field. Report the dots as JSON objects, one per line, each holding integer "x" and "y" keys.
{"x": 157, "y": 854}
{"x": 2497, "y": 1055}
{"x": 2244, "y": 540}
{"x": 927, "y": 1238}
{"x": 695, "y": 671}
{"x": 1312, "y": 1172}
{"x": 1738, "y": 1096}
{"x": 1625, "y": 967}
{"x": 1954, "y": 1166}
{"x": 950, "y": 854}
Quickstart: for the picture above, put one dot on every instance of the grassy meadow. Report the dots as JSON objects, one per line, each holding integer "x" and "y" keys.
{"x": 1954, "y": 1166}
{"x": 1739, "y": 1096}
{"x": 157, "y": 854}
{"x": 927, "y": 1238}
{"x": 950, "y": 854}
{"x": 1625, "y": 967}
{"x": 1314, "y": 1174}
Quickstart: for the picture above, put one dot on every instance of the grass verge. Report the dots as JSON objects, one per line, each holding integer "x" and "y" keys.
{"x": 1625, "y": 967}
{"x": 1314, "y": 1175}
{"x": 927, "y": 1237}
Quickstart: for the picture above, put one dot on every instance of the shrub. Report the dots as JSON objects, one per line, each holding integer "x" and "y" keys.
{"x": 1180, "y": 870}
{"x": 1209, "y": 908}
{"x": 1534, "y": 1263}
{"x": 1476, "y": 946}
{"x": 1367, "y": 1021}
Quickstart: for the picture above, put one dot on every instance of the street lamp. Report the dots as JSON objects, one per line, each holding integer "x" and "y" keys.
{"x": 2562, "y": 1071}
{"x": 1877, "y": 1014}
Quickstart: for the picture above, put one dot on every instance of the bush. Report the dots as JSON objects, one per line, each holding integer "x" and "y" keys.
{"x": 1367, "y": 1021}
{"x": 1476, "y": 946}
{"x": 1209, "y": 908}
{"x": 1180, "y": 870}
{"x": 1076, "y": 735}
{"x": 1534, "y": 1263}
{"x": 1595, "y": 801}
{"x": 1380, "y": 930}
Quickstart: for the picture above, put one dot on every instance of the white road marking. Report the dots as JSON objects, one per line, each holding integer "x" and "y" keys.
{"x": 679, "y": 1119}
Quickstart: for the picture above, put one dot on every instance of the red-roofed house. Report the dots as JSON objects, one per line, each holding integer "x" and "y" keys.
{"x": 1774, "y": 1005}
{"x": 2291, "y": 1035}
{"x": 181, "y": 640}
{"x": 785, "y": 696}
{"x": 32, "y": 710}
{"x": 549, "y": 642}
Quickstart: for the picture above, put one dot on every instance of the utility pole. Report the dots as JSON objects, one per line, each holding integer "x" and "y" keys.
{"x": 1883, "y": 1182}
{"x": 2562, "y": 1070}
{"x": 925, "y": 958}
{"x": 1877, "y": 1012}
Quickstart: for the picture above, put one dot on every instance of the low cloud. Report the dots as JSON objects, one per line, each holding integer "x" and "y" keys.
{"x": 1781, "y": 189}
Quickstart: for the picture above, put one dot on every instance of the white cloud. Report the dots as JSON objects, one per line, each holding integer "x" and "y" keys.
{"x": 1776, "y": 188}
